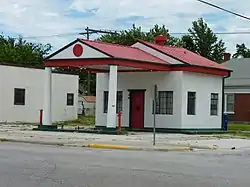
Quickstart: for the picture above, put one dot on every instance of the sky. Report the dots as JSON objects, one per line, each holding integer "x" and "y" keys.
{"x": 36, "y": 18}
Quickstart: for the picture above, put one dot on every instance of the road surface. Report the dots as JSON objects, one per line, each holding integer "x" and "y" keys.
{"x": 25, "y": 165}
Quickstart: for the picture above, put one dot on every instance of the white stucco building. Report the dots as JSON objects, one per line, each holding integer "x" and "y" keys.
{"x": 22, "y": 95}
{"x": 86, "y": 105}
{"x": 190, "y": 87}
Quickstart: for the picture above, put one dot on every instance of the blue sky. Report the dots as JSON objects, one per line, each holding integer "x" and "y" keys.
{"x": 50, "y": 17}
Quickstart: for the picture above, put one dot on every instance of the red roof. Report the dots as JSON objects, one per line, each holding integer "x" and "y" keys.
{"x": 185, "y": 55}
{"x": 90, "y": 99}
{"x": 125, "y": 52}
{"x": 135, "y": 57}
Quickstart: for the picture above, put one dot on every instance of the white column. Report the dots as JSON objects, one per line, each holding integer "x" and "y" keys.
{"x": 47, "y": 112}
{"x": 111, "y": 117}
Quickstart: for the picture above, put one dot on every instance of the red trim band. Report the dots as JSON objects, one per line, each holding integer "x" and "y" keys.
{"x": 143, "y": 66}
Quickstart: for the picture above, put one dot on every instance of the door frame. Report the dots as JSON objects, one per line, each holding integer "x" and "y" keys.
{"x": 130, "y": 104}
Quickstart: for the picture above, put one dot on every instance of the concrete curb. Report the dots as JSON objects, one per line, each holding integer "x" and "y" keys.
{"x": 124, "y": 147}
{"x": 213, "y": 147}
{"x": 30, "y": 142}
{"x": 109, "y": 146}
{"x": 102, "y": 146}
{"x": 174, "y": 149}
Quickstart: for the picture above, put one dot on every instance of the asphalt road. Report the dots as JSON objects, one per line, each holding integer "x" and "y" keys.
{"x": 24, "y": 165}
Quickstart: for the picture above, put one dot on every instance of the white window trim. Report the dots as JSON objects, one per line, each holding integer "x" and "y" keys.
{"x": 217, "y": 104}
{"x": 225, "y": 104}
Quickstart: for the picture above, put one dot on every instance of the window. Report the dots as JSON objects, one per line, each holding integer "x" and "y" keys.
{"x": 214, "y": 104}
{"x": 19, "y": 96}
{"x": 70, "y": 99}
{"x": 105, "y": 101}
{"x": 229, "y": 103}
{"x": 191, "y": 103}
{"x": 118, "y": 101}
{"x": 165, "y": 103}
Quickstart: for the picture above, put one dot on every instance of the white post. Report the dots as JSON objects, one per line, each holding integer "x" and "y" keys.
{"x": 47, "y": 112}
{"x": 111, "y": 117}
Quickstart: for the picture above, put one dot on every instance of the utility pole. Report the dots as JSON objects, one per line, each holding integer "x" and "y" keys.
{"x": 88, "y": 79}
{"x": 154, "y": 108}
{"x": 94, "y": 31}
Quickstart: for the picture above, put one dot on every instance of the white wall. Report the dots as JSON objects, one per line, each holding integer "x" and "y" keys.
{"x": 166, "y": 81}
{"x": 239, "y": 89}
{"x": 156, "y": 53}
{"x": 178, "y": 82}
{"x": 32, "y": 80}
{"x": 89, "y": 107}
{"x": 88, "y": 52}
{"x": 203, "y": 85}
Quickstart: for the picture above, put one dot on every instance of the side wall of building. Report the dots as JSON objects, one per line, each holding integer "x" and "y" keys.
{"x": 166, "y": 81}
{"x": 180, "y": 83}
{"x": 240, "y": 109}
{"x": 203, "y": 85}
{"x": 32, "y": 80}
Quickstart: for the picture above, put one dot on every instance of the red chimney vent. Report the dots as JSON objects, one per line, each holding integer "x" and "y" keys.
{"x": 227, "y": 57}
{"x": 161, "y": 40}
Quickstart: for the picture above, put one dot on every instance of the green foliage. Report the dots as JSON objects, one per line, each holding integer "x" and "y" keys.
{"x": 130, "y": 36}
{"x": 83, "y": 78}
{"x": 81, "y": 121}
{"x": 239, "y": 130}
{"x": 19, "y": 51}
{"x": 242, "y": 51}
{"x": 204, "y": 42}
{"x": 239, "y": 127}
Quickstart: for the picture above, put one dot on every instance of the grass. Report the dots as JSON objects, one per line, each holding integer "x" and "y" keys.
{"x": 3, "y": 140}
{"x": 238, "y": 127}
{"x": 81, "y": 121}
{"x": 240, "y": 130}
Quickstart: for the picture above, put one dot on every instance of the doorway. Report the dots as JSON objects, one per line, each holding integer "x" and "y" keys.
{"x": 136, "y": 113}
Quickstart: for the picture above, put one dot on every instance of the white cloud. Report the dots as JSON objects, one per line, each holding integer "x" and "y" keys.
{"x": 49, "y": 17}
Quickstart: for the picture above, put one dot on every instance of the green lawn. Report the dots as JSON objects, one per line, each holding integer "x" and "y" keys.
{"x": 238, "y": 127}
{"x": 240, "y": 130}
{"x": 81, "y": 121}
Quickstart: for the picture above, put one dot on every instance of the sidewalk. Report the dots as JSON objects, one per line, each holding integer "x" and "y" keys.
{"x": 133, "y": 141}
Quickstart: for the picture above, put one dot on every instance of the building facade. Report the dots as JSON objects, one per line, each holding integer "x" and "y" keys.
{"x": 22, "y": 95}
{"x": 185, "y": 100}
{"x": 86, "y": 105}
{"x": 237, "y": 90}
{"x": 189, "y": 87}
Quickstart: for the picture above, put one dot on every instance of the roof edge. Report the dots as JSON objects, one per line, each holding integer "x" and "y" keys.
{"x": 85, "y": 43}
{"x": 185, "y": 63}
{"x": 73, "y": 42}
{"x": 38, "y": 67}
{"x": 145, "y": 43}
{"x": 61, "y": 49}
{"x": 189, "y": 65}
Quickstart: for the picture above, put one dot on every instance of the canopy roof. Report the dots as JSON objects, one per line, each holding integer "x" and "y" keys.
{"x": 143, "y": 56}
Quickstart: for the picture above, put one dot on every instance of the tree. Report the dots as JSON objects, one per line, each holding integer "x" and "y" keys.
{"x": 204, "y": 42}
{"x": 19, "y": 51}
{"x": 83, "y": 78}
{"x": 242, "y": 51}
{"x": 129, "y": 37}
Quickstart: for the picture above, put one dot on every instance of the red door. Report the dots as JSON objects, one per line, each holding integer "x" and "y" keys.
{"x": 137, "y": 109}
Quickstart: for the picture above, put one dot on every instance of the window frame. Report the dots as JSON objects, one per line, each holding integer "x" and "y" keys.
{"x": 19, "y": 101}
{"x": 165, "y": 103}
{"x": 193, "y": 99}
{"x": 119, "y": 102}
{"x": 214, "y": 97}
{"x": 70, "y": 102}
{"x": 226, "y": 97}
